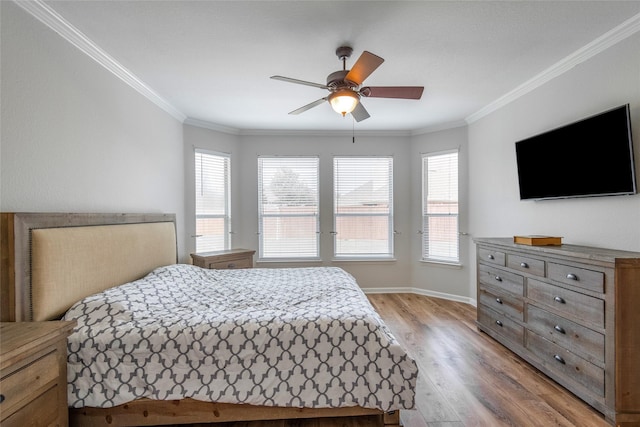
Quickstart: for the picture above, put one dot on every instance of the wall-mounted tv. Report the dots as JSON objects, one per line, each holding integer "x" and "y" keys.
{"x": 591, "y": 157}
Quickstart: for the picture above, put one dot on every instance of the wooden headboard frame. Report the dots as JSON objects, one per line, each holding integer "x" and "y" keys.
{"x": 17, "y": 257}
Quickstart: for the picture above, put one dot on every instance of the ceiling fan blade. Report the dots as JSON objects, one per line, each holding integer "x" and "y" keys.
{"x": 364, "y": 66}
{"x": 308, "y": 106}
{"x": 360, "y": 113}
{"x": 300, "y": 82}
{"x": 403, "y": 92}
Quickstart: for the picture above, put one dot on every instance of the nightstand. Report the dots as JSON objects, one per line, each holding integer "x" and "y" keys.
{"x": 33, "y": 373}
{"x": 232, "y": 258}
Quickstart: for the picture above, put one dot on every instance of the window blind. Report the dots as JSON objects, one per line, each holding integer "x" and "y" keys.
{"x": 213, "y": 217}
{"x": 288, "y": 207}
{"x": 440, "y": 238}
{"x": 363, "y": 206}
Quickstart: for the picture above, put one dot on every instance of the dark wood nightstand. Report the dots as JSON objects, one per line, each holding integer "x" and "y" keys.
{"x": 228, "y": 259}
{"x": 33, "y": 373}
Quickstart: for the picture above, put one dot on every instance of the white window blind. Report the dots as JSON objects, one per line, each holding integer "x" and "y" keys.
{"x": 440, "y": 239}
{"x": 213, "y": 216}
{"x": 363, "y": 207}
{"x": 288, "y": 220}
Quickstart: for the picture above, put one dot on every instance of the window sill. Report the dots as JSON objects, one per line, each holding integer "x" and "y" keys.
{"x": 448, "y": 264}
{"x": 347, "y": 259}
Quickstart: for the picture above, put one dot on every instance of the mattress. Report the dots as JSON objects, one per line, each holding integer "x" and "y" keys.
{"x": 292, "y": 337}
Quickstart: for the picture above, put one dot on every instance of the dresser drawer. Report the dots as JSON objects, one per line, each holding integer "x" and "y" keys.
{"x": 575, "y": 276}
{"x": 19, "y": 386}
{"x": 571, "y": 303}
{"x": 42, "y": 411}
{"x": 227, "y": 259}
{"x": 526, "y": 264}
{"x": 567, "y": 364}
{"x": 491, "y": 256}
{"x": 501, "y": 279}
{"x": 502, "y": 302}
{"x": 576, "y": 338}
{"x": 501, "y": 324}
{"x": 231, "y": 264}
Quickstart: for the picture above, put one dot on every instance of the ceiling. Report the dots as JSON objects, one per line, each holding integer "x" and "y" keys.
{"x": 211, "y": 60}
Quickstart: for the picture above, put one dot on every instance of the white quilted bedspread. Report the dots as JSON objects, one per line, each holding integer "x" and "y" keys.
{"x": 301, "y": 337}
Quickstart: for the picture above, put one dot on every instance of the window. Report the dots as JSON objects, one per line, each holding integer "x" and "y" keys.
{"x": 213, "y": 216}
{"x": 288, "y": 208}
{"x": 440, "y": 240}
{"x": 363, "y": 207}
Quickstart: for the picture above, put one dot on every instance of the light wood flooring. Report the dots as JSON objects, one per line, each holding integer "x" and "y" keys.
{"x": 466, "y": 378}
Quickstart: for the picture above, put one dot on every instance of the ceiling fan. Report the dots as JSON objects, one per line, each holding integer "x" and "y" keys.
{"x": 345, "y": 86}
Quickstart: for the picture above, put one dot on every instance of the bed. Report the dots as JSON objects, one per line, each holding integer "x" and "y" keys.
{"x": 75, "y": 265}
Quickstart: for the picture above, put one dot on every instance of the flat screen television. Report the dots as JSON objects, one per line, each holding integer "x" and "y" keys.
{"x": 591, "y": 157}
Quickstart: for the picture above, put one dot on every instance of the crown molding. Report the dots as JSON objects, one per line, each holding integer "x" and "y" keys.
{"x": 439, "y": 127}
{"x": 319, "y": 132}
{"x": 45, "y": 14}
{"x": 300, "y": 132}
{"x": 608, "y": 39}
{"x": 211, "y": 126}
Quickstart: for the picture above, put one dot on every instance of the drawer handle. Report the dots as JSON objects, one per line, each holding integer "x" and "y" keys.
{"x": 1, "y": 398}
{"x": 499, "y": 300}
{"x": 499, "y": 323}
{"x": 572, "y": 276}
{"x": 559, "y": 359}
{"x": 231, "y": 265}
{"x": 524, "y": 265}
{"x": 560, "y": 300}
{"x": 491, "y": 257}
{"x": 560, "y": 329}
{"x": 499, "y": 279}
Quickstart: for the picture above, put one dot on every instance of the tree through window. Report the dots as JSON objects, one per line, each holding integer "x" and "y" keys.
{"x": 288, "y": 220}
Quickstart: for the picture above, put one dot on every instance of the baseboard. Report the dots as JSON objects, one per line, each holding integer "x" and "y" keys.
{"x": 418, "y": 291}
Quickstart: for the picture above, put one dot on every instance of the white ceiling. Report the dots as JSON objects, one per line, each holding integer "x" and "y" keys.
{"x": 211, "y": 60}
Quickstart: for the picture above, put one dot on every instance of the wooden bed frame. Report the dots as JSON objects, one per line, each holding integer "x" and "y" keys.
{"x": 33, "y": 289}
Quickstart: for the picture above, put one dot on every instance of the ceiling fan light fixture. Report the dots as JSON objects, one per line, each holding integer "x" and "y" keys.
{"x": 343, "y": 101}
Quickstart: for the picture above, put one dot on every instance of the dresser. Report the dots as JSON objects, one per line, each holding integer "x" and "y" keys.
{"x": 571, "y": 311}
{"x": 33, "y": 373}
{"x": 227, "y": 259}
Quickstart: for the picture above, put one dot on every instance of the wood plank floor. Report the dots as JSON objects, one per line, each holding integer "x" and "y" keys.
{"x": 466, "y": 378}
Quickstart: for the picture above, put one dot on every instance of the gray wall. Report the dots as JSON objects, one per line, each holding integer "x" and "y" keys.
{"x": 77, "y": 139}
{"x": 607, "y": 80}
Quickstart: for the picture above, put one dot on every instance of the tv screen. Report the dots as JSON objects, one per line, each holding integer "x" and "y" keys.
{"x": 591, "y": 157}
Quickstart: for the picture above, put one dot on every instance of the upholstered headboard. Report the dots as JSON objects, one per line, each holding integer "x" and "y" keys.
{"x": 50, "y": 261}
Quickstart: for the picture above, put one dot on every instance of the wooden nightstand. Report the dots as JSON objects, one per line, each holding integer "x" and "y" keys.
{"x": 232, "y": 258}
{"x": 33, "y": 373}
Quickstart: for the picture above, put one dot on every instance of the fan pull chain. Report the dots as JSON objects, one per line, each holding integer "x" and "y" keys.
{"x": 353, "y": 130}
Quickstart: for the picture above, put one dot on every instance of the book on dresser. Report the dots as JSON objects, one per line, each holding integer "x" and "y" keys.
{"x": 572, "y": 312}
{"x": 536, "y": 240}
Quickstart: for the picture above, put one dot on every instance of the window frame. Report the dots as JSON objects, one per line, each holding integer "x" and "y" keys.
{"x": 425, "y": 242}
{"x": 226, "y": 216}
{"x": 261, "y": 215}
{"x": 388, "y": 256}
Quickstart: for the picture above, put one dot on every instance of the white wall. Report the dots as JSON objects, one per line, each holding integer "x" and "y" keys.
{"x": 77, "y": 139}
{"x": 609, "y": 79}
